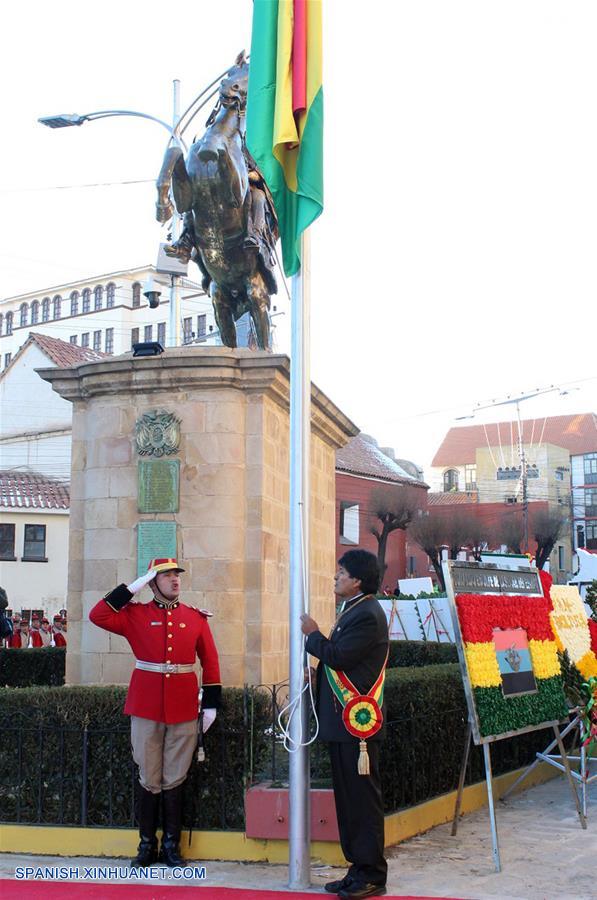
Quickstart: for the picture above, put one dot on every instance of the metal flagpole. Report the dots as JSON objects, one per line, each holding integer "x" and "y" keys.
{"x": 300, "y": 434}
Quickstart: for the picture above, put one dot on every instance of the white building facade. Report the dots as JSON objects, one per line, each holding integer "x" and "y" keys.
{"x": 107, "y": 313}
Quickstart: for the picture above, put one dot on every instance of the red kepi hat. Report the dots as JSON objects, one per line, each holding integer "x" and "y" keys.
{"x": 164, "y": 565}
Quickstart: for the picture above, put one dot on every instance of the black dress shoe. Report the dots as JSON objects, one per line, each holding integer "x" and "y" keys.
{"x": 356, "y": 890}
{"x": 333, "y": 887}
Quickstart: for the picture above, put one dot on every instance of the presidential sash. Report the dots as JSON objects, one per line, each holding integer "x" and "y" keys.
{"x": 361, "y": 713}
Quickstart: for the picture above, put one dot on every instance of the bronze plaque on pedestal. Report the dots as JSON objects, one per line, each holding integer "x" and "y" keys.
{"x": 158, "y": 485}
{"x": 155, "y": 540}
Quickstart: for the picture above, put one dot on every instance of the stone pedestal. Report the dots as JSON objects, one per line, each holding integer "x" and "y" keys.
{"x": 232, "y": 522}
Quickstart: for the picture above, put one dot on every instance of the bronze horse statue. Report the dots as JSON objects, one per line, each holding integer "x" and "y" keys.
{"x": 230, "y": 225}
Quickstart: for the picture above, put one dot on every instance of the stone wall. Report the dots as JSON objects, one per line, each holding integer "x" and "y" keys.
{"x": 232, "y": 523}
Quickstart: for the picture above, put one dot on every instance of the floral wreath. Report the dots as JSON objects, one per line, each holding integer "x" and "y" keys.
{"x": 572, "y": 629}
{"x": 480, "y": 617}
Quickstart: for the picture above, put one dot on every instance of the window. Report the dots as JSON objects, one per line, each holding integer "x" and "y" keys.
{"x": 148, "y": 333}
{"x": 9, "y": 322}
{"x": 450, "y": 480}
{"x": 86, "y": 300}
{"x": 98, "y": 295}
{"x": 85, "y": 339}
{"x": 34, "y": 546}
{"x": 590, "y": 460}
{"x": 162, "y": 333}
{"x": 134, "y": 336}
{"x": 591, "y": 536}
{"x": 561, "y": 560}
{"x": 201, "y": 326}
{"x": 470, "y": 478}
{"x": 35, "y": 312}
{"x": 97, "y": 340}
{"x": 591, "y": 503}
{"x": 187, "y": 330}
{"x": 7, "y": 359}
{"x": 57, "y": 306}
{"x": 349, "y": 522}
{"x": 412, "y": 565}
{"x": 24, "y": 311}
{"x": 73, "y": 338}
{"x": 110, "y": 295}
{"x": 7, "y": 542}
{"x": 136, "y": 295}
{"x": 109, "y": 340}
{"x": 45, "y": 309}
{"x": 74, "y": 303}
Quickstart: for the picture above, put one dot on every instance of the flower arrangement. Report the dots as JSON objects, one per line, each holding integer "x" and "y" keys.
{"x": 512, "y": 661}
{"x": 572, "y": 629}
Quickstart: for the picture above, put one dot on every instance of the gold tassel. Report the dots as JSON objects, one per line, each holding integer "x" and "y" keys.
{"x": 363, "y": 765}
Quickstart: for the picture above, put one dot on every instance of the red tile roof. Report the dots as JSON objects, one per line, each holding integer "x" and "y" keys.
{"x": 576, "y": 433}
{"x": 362, "y": 456}
{"x": 450, "y": 498}
{"x": 62, "y": 353}
{"x": 31, "y": 490}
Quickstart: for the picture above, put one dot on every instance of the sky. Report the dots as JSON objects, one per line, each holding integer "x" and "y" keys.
{"x": 454, "y": 263}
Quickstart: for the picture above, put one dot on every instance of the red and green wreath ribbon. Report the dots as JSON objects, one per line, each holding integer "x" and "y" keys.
{"x": 361, "y": 714}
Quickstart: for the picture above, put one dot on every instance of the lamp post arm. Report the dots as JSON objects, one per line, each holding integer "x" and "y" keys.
{"x": 108, "y": 113}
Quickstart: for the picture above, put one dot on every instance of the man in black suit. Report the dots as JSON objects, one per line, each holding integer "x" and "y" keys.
{"x": 354, "y": 654}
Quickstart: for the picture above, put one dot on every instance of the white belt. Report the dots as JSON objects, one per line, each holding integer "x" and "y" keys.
{"x": 165, "y": 668}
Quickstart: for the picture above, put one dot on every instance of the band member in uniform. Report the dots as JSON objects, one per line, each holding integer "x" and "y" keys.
{"x": 350, "y": 679}
{"x": 166, "y": 637}
{"x": 58, "y": 636}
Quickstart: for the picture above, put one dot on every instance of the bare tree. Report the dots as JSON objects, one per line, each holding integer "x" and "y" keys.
{"x": 509, "y": 530}
{"x": 547, "y": 527}
{"x": 393, "y": 507}
{"x": 428, "y": 532}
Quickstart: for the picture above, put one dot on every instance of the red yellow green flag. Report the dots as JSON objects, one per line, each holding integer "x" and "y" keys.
{"x": 285, "y": 114}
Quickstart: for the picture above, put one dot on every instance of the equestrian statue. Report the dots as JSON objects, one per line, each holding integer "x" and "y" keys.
{"x": 230, "y": 226}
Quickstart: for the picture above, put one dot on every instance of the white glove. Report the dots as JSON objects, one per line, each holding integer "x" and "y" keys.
{"x": 209, "y": 717}
{"x": 140, "y": 582}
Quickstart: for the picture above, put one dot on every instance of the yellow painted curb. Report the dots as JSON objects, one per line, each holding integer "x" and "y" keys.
{"x": 56, "y": 840}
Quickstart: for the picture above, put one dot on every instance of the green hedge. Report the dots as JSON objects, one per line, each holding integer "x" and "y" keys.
{"x": 22, "y": 668}
{"x": 68, "y": 729}
{"x": 404, "y": 654}
{"x": 44, "y": 773}
{"x": 426, "y": 719}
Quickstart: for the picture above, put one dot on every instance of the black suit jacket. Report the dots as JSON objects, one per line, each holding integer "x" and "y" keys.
{"x": 358, "y": 646}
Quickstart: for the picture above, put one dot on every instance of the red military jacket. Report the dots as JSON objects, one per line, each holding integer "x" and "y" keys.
{"x": 158, "y": 634}
{"x": 36, "y": 640}
{"x": 59, "y": 639}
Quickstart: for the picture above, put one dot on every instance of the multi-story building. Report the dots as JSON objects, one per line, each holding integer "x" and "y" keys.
{"x": 482, "y": 464}
{"x": 107, "y": 313}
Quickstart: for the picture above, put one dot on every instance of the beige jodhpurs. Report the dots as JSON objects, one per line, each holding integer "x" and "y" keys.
{"x": 163, "y": 752}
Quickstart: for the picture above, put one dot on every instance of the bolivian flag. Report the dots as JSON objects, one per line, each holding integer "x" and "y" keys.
{"x": 512, "y": 661}
{"x": 285, "y": 114}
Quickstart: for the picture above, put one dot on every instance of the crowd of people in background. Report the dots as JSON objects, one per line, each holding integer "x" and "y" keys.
{"x": 24, "y": 630}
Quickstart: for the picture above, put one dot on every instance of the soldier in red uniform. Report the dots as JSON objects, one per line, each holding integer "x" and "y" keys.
{"x": 14, "y": 641}
{"x": 166, "y": 637}
{"x": 35, "y": 636}
{"x": 45, "y": 633}
{"x": 57, "y": 632}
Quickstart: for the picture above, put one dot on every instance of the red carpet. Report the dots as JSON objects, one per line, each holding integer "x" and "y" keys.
{"x": 65, "y": 890}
